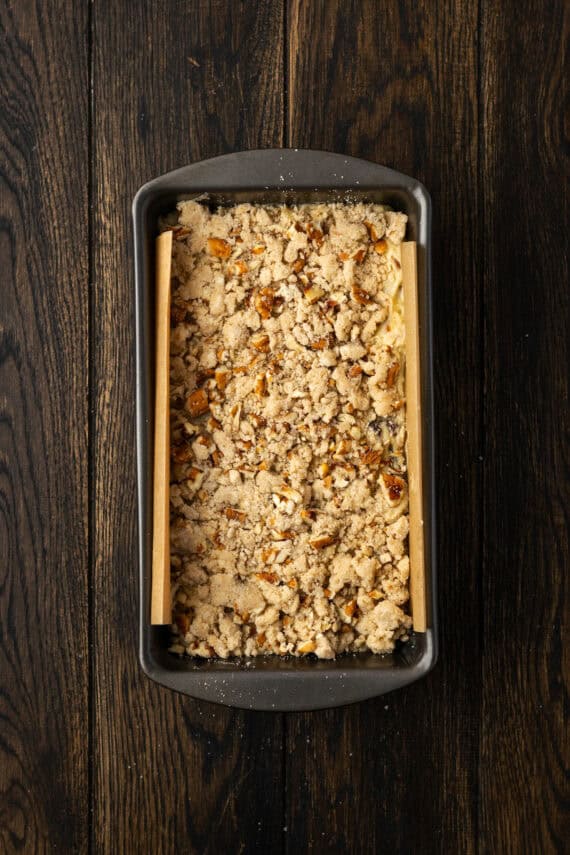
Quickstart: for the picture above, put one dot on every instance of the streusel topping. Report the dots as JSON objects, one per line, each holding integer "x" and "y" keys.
{"x": 288, "y": 492}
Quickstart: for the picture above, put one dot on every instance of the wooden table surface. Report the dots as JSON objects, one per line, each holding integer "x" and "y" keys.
{"x": 95, "y": 99}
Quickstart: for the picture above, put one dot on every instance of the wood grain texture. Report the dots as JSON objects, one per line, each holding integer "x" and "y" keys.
{"x": 524, "y": 732}
{"x": 43, "y": 428}
{"x": 397, "y": 83}
{"x": 172, "y": 84}
{"x": 160, "y": 599}
{"x": 469, "y": 98}
{"x": 414, "y": 442}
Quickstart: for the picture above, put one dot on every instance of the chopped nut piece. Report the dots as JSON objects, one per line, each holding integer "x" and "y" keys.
{"x": 342, "y": 448}
{"x": 319, "y": 344}
{"x": 195, "y": 475}
{"x": 219, "y": 248}
{"x": 258, "y": 421}
{"x": 307, "y": 647}
{"x": 299, "y": 263}
{"x": 261, "y": 342}
{"x": 359, "y": 256}
{"x": 283, "y": 535}
{"x": 315, "y": 235}
{"x": 290, "y": 493}
{"x": 214, "y": 424}
{"x": 181, "y": 453}
{"x": 355, "y": 371}
{"x": 394, "y": 484}
{"x": 204, "y": 374}
{"x": 234, "y": 514}
{"x": 371, "y": 457}
{"x": 308, "y": 514}
{"x": 324, "y": 541}
{"x": 313, "y": 293}
{"x": 222, "y": 378}
{"x": 372, "y": 234}
{"x": 240, "y": 268}
{"x": 381, "y": 246}
{"x": 263, "y": 302}
{"x": 267, "y": 577}
{"x": 197, "y": 403}
{"x": 392, "y": 374}
{"x": 361, "y": 296}
{"x": 261, "y": 385}
{"x": 350, "y": 608}
{"x": 257, "y": 250}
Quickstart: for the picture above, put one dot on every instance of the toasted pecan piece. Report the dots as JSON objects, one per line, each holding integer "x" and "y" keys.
{"x": 181, "y": 453}
{"x": 260, "y": 385}
{"x": 312, "y": 293}
{"x": 371, "y": 457}
{"x": 218, "y": 247}
{"x": 392, "y": 374}
{"x": 315, "y": 235}
{"x": 263, "y": 302}
{"x": 234, "y": 514}
{"x": 359, "y": 295}
{"x": 307, "y": 647}
{"x": 394, "y": 484}
{"x": 299, "y": 263}
{"x": 222, "y": 379}
{"x": 283, "y": 535}
{"x": 323, "y": 541}
{"x": 350, "y": 608}
{"x": 260, "y": 342}
{"x": 197, "y": 403}
{"x": 372, "y": 234}
{"x": 266, "y": 576}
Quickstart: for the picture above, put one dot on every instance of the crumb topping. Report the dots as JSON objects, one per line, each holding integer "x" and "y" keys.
{"x": 289, "y": 491}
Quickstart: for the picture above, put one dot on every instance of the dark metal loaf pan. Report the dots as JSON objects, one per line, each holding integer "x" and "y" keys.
{"x": 282, "y": 176}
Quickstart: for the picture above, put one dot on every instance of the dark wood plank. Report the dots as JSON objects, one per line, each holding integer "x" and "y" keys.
{"x": 43, "y": 436}
{"x": 397, "y": 83}
{"x": 173, "y": 83}
{"x": 524, "y": 736}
